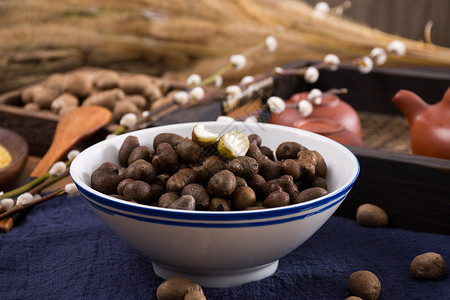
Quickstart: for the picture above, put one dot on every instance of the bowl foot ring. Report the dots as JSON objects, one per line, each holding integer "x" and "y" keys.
{"x": 218, "y": 278}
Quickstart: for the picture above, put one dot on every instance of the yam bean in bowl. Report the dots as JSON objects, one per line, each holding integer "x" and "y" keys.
{"x": 218, "y": 248}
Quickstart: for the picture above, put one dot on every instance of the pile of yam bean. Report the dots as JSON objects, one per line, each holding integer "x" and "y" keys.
{"x": 119, "y": 92}
{"x": 181, "y": 174}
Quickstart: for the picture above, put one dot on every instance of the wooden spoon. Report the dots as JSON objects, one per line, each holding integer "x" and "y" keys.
{"x": 71, "y": 128}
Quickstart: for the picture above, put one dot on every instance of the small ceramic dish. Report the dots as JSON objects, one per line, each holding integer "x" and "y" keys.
{"x": 218, "y": 249}
{"x": 17, "y": 147}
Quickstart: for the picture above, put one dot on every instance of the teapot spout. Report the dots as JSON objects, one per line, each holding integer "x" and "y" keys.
{"x": 410, "y": 104}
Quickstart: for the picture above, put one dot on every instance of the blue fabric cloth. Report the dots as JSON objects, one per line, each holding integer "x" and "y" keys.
{"x": 62, "y": 250}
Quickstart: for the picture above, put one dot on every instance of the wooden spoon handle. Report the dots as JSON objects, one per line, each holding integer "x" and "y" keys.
{"x": 72, "y": 127}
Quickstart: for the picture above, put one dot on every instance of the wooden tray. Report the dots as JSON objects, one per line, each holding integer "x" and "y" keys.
{"x": 414, "y": 190}
{"x": 38, "y": 127}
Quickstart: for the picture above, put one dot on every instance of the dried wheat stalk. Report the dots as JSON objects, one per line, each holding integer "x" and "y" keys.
{"x": 43, "y": 36}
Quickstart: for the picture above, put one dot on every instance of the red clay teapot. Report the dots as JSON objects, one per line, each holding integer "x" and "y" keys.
{"x": 332, "y": 108}
{"x": 429, "y": 124}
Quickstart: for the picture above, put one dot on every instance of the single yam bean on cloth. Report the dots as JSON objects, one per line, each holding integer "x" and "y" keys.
{"x": 371, "y": 215}
{"x": 365, "y": 284}
{"x": 177, "y": 288}
{"x": 428, "y": 266}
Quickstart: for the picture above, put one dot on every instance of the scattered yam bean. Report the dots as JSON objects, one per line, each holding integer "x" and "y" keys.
{"x": 428, "y": 266}
{"x": 371, "y": 215}
{"x": 365, "y": 284}
{"x": 176, "y": 288}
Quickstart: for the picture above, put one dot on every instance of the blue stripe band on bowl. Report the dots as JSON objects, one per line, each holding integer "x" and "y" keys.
{"x": 215, "y": 225}
{"x": 212, "y": 216}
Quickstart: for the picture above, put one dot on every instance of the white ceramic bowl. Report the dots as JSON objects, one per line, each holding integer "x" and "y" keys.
{"x": 218, "y": 249}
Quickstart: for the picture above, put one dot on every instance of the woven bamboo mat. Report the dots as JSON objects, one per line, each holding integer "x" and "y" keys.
{"x": 385, "y": 132}
{"x": 380, "y": 131}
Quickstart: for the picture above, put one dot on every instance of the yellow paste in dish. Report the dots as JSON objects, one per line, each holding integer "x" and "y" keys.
{"x": 5, "y": 157}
